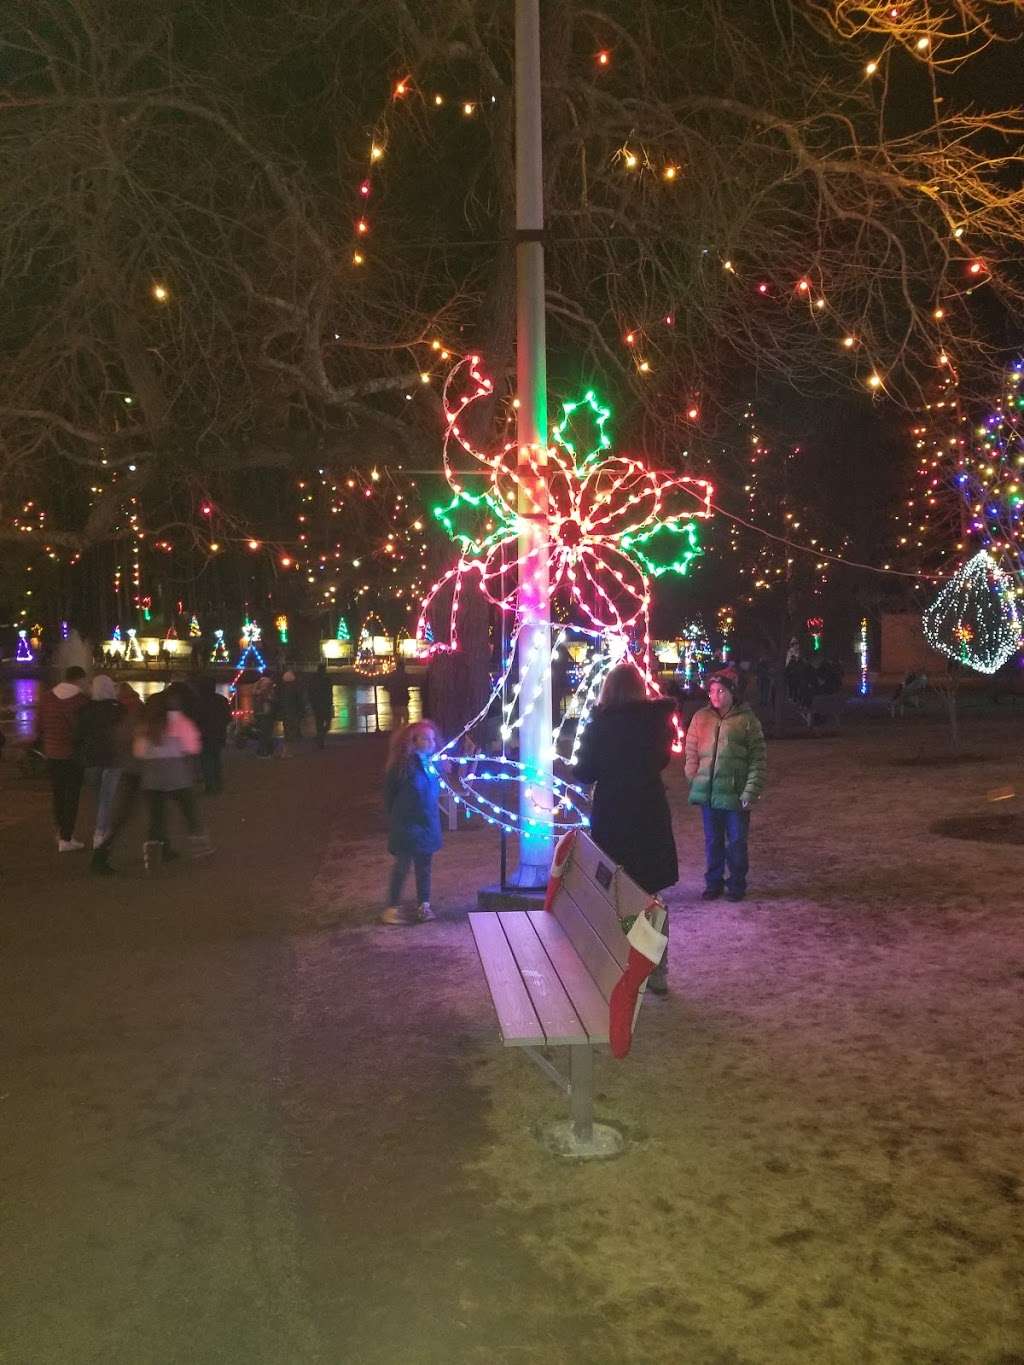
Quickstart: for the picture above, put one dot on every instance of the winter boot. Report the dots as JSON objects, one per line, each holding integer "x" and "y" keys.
{"x": 395, "y": 915}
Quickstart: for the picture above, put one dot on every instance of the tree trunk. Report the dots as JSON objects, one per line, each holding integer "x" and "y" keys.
{"x": 459, "y": 682}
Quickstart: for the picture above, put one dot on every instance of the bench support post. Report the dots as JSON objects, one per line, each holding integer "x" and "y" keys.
{"x": 578, "y": 1137}
{"x": 581, "y": 1092}
{"x": 551, "y": 1071}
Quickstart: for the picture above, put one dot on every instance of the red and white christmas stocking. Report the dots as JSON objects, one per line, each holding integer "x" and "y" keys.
{"x": 646, "y": 949}
{"x": 558, "y": 865}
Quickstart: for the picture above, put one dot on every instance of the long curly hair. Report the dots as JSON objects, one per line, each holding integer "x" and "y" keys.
{"x": 402, "y": 741}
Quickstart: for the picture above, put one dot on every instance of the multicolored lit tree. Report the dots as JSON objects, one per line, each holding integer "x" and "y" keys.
{"x": 990, "y": 476}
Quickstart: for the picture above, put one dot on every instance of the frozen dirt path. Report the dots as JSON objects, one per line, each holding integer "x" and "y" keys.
{"x": 145, "y": 1215}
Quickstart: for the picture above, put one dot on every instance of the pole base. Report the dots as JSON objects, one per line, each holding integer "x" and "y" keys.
{"x": 561, "y": 1139}
{"x": 511, "y": 898}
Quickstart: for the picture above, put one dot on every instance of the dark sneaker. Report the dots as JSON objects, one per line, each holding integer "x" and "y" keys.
{"x": 712, "y": 893}
{"x": 424, "y": 913}
{"x": 735, "y": 895}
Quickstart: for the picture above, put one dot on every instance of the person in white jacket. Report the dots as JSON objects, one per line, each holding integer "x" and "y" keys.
{"x": 166, "y": 744}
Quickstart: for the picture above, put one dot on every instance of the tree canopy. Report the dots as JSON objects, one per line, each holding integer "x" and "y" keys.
{"x": 237, "y": 240}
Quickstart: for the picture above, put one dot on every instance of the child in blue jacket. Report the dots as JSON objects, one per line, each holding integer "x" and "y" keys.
{"x": 411, "y": 791}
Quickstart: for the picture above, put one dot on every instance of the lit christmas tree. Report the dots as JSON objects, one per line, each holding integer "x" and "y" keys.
{"x": 990, "y": 477}
{"x": 250, "y": 656}
{"x": 24, "y": 653}
{"x": 974, "y": 618}
{"x": 367, "y": 662}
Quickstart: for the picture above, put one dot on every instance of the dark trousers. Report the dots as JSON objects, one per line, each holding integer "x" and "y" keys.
{"x": 184, "y": 799}
{"x": 265, "y": 732}
{"x": 211, "y": 766}
{"x": 323, "y": 724}
{"x": 725, "y": 846}
{"x": 66, "y": 780}
{"x": 420, "y": 863}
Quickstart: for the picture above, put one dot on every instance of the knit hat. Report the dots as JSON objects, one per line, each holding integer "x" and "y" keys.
{"x": 728, "y": 677}
{"x": 103, "y": 688}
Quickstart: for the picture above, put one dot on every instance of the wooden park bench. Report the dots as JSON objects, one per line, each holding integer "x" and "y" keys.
{"x": 551, "y": 974}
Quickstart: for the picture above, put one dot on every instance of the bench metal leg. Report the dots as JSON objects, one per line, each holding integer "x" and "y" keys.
{"x": 581, "y": 1092}
{"x": 577, "y": 1137}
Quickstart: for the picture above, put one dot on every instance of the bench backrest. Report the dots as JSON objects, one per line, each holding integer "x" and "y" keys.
{"x": 593, "y": 898}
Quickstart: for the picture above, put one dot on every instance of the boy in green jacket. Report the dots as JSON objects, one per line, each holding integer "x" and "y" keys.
{"x": 726, "y": 763}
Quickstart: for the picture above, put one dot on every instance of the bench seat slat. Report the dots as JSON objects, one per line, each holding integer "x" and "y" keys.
{"x": 554, "y": 1008}
{"x": 517, "y": 1019}
{"x": 587, "y": 1000}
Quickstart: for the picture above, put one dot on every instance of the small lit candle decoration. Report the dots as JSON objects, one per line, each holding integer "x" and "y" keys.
{"x": 613, "y": 524}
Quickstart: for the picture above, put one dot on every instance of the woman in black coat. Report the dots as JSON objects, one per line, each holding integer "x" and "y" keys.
{"x": 624, "y": 750}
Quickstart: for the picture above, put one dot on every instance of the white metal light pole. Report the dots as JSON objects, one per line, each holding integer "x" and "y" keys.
{"x": 531, "y": 379}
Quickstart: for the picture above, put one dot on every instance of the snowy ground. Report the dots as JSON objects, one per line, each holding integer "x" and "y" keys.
{"x": 248, "y": 1124}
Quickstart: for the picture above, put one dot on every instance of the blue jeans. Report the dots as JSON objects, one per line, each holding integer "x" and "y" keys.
{"x": 107, "y": 781}
{"x": 725, "y": 845}
{"x": 420, "y": 863}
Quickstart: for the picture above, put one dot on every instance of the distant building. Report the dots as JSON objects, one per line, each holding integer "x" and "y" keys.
{"x": 904, "y": 648}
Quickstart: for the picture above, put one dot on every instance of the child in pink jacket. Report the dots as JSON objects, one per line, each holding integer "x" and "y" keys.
{"x": 166, "y": 744}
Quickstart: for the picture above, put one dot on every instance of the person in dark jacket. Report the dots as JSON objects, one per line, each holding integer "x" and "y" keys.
{"x": 726, "y": 763}
{"x": 103, "y": 747}
{"x": 212, "y": 713}
{"x": 57, "y": 721}
{"x": 396, "y": 685}
{"x": 625, "y": 748}
{"x": 321, "y": 702}
{"x": 292, "y": 699}
{"x": 411, "y": 791}
{"x": 264, "y": 710}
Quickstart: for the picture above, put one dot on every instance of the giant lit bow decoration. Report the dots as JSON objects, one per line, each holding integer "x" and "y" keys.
{"x": 613, "y": 523}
